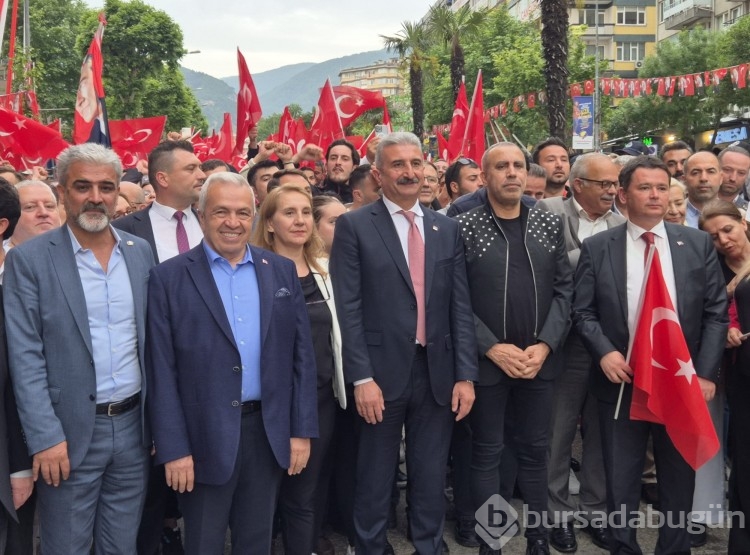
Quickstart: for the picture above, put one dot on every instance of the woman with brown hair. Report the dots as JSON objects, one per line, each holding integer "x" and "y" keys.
{"x": 285, "y": 226}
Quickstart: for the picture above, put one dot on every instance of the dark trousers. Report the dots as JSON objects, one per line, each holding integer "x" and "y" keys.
{"x": 624, "y": 445}
{"x": 428, "y": 432}
{"x": 531, "y": 408}
{"x": 303, "y": 496}
{"x": 246, "y": 503}
{"x": 461, "y": 470}
{"x": 21, "y": 533}
{"x": 344, "y": 465}
{"x": 738, "y": 392}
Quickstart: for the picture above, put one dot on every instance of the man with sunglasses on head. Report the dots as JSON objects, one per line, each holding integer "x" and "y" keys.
{"x": 593, "y": 182}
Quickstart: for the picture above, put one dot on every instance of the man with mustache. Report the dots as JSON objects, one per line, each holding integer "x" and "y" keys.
{"x": 400, "y": 286}
{"x": 593, "y": 182}
{"x": 674, "y": 155}
{"x": 75, "y": 302}
{"x": 341, "y": 159}
{"x": 702, "y": 179}
{"x": 520, "y": 282}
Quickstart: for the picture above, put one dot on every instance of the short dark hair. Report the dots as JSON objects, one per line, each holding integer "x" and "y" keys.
{"x": 275, "y": 180}
{"x": 674, "y": 145}
{"x": 358, "y": 176}
{"x": 646, "y": 162}
{"x": 344, "y": 142}
{"x": 549, "y": 141}
{"x": 212, "y": 164}
{"x": 160, "y": 159}
{"x": 453, "y": 173}
{"x": 10, "y": 207}
{"x": 252, "y": 172}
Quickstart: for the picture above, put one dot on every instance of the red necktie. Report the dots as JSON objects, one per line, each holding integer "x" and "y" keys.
{"x": 182, "y": 239}
{"x": 416, "y": 270}
{"x": 647, "y": 236}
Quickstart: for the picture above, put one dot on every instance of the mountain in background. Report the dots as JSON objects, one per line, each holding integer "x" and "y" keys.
{"x": 291, "y": 84}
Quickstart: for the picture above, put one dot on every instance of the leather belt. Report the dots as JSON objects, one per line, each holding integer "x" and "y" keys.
{"x": 250, "y": 406}
{"x": 119, "y": 407}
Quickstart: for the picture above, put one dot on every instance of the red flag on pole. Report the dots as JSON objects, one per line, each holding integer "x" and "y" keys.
{"x": 665, "y": 385}
{"x": 352, "y": 102}
{"x": 90, "y": 123}
{"x": 222, "y": 143}
{"x": 133, "y": 139}
{"x": 326, "y": 125}
{"x": 29, "y": 138}
{"x": 248, "y": 104}
{"x": 458, "y": 124}
{"x": 473, "y": 143}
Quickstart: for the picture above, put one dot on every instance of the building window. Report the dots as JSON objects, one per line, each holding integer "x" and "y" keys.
{"x": 587, "y": 17}
{"x": 731, "y": 17}
{"x": 591, "y": 51}
{"x": 631, "y": 15}
{"x": 631, "y": 51}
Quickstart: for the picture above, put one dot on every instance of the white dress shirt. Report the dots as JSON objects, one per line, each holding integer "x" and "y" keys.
{"x": 403, "y": 225}
{"x": 586, "y": 226}
{"x": 164, "y": 225}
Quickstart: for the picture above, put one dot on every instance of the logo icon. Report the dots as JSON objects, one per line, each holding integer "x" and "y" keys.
{"x": 497, "y": 522}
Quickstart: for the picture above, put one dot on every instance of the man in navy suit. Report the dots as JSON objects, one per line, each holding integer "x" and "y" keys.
{"x": 408, "y": 343}
{"x": 608, "y": 285}
{"x": 231, "y": 363}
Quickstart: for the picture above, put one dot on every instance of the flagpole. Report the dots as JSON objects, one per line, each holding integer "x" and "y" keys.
{"x": 11, "y": 47}
{"x": 637, "y": 319}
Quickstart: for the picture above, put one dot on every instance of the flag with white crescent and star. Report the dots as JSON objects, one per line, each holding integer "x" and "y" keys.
{"x": 249, "y": 111}
{"x": 133, "y": 139}
{"x": 352, "y": 102}
{"x": 665, "y": 386}
{"x": 90, "y": 119}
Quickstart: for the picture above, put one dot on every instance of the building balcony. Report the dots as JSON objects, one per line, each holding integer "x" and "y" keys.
{"x": 687, "y": 17}
{"x": 605, "y": 30}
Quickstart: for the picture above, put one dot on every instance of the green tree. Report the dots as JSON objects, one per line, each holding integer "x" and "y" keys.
{"x": 555, "y": 48}
{"x": 411, "y": 44}
{"x": 140, "y": 43}
{"x": 451, "y": 28}
{"x": 167, "y": 95}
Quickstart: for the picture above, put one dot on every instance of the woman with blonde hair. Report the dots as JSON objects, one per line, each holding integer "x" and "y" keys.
{"x": 285, "y": 226}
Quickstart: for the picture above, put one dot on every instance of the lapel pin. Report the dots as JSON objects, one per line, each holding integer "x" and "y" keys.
{"x": 129, "y": 243}
{"x": 680, "y": 243}
{"x": 264, "y": 261}
{"x": 435, "y": 228}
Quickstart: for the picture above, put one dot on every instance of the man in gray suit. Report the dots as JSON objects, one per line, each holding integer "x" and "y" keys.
{"x": 609, "y": 280}
{"x": 75, "y": 300}
{"x": 593, "y": 181}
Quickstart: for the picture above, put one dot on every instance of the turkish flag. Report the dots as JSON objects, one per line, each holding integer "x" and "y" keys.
{"x": 133, "y": 139}
{"x": 25, "y": 137}
{"x": 458, "y": 124}
{"x": 55, "y": 125}
{"x": 90, "y": 119}
{"x": 221, "y": 146}
{"x": 665, "y": 385}
{"x": 531, "y": 100}
{"x": 352, "y": 102}
{"x": 286, "y": 126}
{"x": 248, "y": 104}
{"x": 588, "y": 86}
{"x": 473, "y": 143}
{"x": 326, "y": 125}
{"x": 387, "y": 118}
{"x": 442, "y": 147}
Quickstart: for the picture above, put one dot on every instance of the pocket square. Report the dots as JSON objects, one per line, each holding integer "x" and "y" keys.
{"x": 283, "y": 292}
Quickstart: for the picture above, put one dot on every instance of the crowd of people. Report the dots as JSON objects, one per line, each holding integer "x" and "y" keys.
{"x": 258, "y": 351}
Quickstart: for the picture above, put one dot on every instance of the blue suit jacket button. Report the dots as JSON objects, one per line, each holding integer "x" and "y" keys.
{"x": 236, "y": 369}
{"x": 235, "y": 403}
{"x": 92, "y": 398}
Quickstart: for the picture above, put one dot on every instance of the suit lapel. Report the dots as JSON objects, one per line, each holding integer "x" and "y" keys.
{"x": 66, "y": 269}
{"x": 383, "y": 223}
{"x": 200, "y": 272}
{"x": 618, "y": 261}
{"x": 679, "y": 260}
{"x": 142, "y": 228}
{"x": 431, "y": 230}
{"x": 264, "y": 274}
{"x": 573, "y": 221}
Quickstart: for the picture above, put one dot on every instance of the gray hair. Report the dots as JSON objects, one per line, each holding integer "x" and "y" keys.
{"x": 581, "y": 164}
{"x": 622, "y": 159}
{"x": 501, "y": 144}
{"x": 535, "y": 170}
{"x": 227, "y": 178}
{"x": 89, "y": 153}
{"x": 734, "y": 148}
{"x": 35, "y": 183}
{"x": 396, "y": 138}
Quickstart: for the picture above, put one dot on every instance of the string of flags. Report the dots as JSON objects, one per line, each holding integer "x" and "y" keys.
{"x": 691, "y": 84}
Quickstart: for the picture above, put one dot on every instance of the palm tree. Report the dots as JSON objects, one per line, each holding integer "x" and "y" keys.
{"x": 450, "y": 28}
{"x": 555, "y": 47}
{"x": 411, "y": 45}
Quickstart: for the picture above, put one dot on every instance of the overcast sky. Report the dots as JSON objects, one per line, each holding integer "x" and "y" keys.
{"x": 274, "y": 33}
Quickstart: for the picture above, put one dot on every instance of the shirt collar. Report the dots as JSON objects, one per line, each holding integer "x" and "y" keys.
{"x": 584, "y": 215}
{"x": 77, "y": 246}
{"x": 167, "y": 212}
{"x": 213, "y": 256}
{"x": 635, "y": 231}
{"x": 394, "y": 208}
{"x": 692, "y": 209}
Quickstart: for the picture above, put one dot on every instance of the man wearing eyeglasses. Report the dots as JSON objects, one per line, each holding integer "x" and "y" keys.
{"x": 593, "y": 181}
